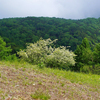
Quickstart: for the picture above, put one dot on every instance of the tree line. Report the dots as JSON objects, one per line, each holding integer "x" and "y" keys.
{"x": 45, "y": 53}
{"x": 81, "y": 35}
{"x": 16, "y": 32}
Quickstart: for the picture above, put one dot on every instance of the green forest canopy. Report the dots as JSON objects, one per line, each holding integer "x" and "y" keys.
{"x": 19, "y": 31}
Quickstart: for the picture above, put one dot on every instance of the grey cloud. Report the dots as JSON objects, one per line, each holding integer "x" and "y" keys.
{"x": 69, "y": 9}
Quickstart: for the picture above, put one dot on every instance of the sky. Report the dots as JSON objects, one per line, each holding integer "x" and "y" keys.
{"x": 68, "y": 9}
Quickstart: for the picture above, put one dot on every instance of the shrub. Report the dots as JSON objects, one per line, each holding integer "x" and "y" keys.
{"x": 42, "y": 51}
{"x": 61, "y": 58}
{"x": 94, "y": 69}
{"x": 86, "y": 69}
{"x": 37, "y": 52}
{"x": 4, "y": 50}
{"x": 12, "y": 57}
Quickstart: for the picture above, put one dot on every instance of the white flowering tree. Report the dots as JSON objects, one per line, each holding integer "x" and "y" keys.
{"x": 37, "y": 52}
{"x": 61, "y": 58}
{"x": 42, "y": 51}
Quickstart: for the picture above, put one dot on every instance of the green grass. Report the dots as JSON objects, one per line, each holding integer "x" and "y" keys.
{"x": 73, "y": 77}
{"x": 40, "y": 95}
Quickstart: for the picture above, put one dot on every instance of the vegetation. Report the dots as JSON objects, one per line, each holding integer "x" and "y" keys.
{"x": 40, "y": 95}
{"x": 5, "y": 52}
{"x": 19, "y": 31}
{"x": 46, "y": 68}
{"x": 84, "y": 54}
{"x": 42, "y": 51}
{"x": 82, "y": 35}
{"x": 21, "y": 80}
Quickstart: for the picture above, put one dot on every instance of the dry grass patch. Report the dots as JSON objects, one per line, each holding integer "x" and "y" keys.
{"x": 34, "y": 83}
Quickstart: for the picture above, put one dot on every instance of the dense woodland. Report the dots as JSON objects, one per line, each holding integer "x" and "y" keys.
{"x": 19, "y": 31}
{"x": 83, "y": 37}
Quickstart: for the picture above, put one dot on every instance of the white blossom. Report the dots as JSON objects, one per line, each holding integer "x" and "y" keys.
{"x": 42, "y": 51}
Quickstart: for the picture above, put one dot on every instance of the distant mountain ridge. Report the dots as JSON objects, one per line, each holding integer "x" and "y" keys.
{"x": 19, "y": 31}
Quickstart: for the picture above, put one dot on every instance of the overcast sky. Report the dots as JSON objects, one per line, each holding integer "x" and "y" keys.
{"x": 69, "y": 9}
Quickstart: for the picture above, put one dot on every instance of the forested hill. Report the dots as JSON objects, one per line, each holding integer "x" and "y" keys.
{"x": 19, "y": 31}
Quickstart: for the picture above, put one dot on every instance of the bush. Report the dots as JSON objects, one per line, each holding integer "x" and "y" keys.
{"x": 86, "y": 69}
{"x": 42, "y": 51}
{"x": 37, "y": 52}
{"x": 11, "y": 57}
{"x": 94, "y": 69}
{"x": 4, "y": 50}
{"x": 60, "y": 58}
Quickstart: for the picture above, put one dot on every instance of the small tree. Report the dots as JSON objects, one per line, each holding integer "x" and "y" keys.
{"x": 61, "y": 58}
{"x": 84, "y": 54}
{"x": 4, "y": 51}
{"x": 42, "y": 51}
{"x": 37, "y": 52}
{"x": 96, "y": 53}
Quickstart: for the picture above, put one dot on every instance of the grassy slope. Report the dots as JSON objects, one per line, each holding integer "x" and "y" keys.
{"x": 22, "y": 81}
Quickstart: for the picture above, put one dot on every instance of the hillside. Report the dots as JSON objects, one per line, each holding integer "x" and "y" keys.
{"x": 19, "y": 31}
{"x": 22, "y": 81}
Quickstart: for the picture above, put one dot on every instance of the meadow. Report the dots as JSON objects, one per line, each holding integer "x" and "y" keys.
{"x": 20, "y": 80}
